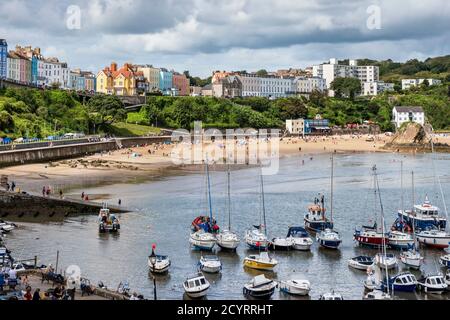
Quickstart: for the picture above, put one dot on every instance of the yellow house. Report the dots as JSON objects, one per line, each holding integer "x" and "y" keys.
{"x": 121, "y": 82}
{"x": 104, "y": 83}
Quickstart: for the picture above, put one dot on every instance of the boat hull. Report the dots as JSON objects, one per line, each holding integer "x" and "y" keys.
{"x": 259, "y": 294}
{"x": 358, "y": 265}
{"x": 432, "y": 242}
{"x": 372, "y": 242}
{"x": 228, "y": 245}
{"x": 262, "y": 245}
{"x": 294, "y": 290}
{"x": 330, "y": 244}
{"x": 445, "y": 262}
{"x": 197, "y": 294}
{"x": 259, "y": 265}
{"x": 159, "y": 268}
{"x": 401, "y": 244}
{"x": 318, "y": 226}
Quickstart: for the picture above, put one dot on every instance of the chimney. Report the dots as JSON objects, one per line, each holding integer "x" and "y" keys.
{"x": 113, "y": 67}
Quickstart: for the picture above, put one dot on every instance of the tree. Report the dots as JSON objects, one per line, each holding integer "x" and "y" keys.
{"x": 292, "y": 108}
{"x": 348, "y": 87}
{"x": 261, "y": 73}
{"x": 105, "y": 110}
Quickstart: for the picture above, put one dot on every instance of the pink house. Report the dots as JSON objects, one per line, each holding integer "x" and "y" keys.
{"x": 181, "y": 82}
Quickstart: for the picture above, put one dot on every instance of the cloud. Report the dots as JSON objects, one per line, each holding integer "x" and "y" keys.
{"x": 202, "y": 35}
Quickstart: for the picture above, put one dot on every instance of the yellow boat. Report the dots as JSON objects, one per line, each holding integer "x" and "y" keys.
{"x": 260, "y": 262}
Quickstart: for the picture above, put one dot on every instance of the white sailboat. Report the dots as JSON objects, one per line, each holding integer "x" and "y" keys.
{"x": 228, "y": 239}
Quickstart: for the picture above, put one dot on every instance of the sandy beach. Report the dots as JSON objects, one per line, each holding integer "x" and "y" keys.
{"x": 143, "y": 163}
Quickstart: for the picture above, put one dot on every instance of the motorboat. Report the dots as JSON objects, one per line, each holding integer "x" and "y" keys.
{"x": 315, "y": 219}
{"x": 260, "y": 262}
{"x": 403, "y": 282}
{"x": 424, "y": 216}
{"x": 432, "y": 284}
{"x": 228, "y": 240}
{"x": 210, "y": 264}
{"x": 411, "y": 258}
{"x": 377, "y": 295}
{"x": 400, "y": 240}
{"x": 371, "y": 283}
{"x": 196, "y": 286}
{"x": 300, "y": 238}
{"x": 329, "y": 239}
{"x": 331, "y": 296}
{"x": 158, "y": 264}
{"x": 370, "y": 237}
{"x": 256, "y": 240}
{"x": 361, "y": 262}
{"x": 295, "y": 287}
{"x": 107, "y": 222}
{"x": 447, "y": 279}
{"x": 259, "y": 288}
{"x": 7, "y": 227}
{"x": 281, "y": 244}
{"x": 386, "y": 261}
{"x": 202, "y": 240}
{"x": 445, "y": 260}
{"x": 434, "y": 238}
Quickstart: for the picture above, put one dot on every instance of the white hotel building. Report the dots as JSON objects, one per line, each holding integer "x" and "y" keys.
{"x": 275, "y": 87}
{"x": 401, "y": 115}
{"x": 51, "y": 71}
{"x": 409, "y": 83}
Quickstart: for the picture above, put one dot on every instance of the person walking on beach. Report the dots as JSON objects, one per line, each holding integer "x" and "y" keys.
{"x": 60, "y": 194}
{"x": 82, "y": 195}
{"x": 44, "y": 191}
{"x": 120, "y": 202}
{"x": 13, "y": 186}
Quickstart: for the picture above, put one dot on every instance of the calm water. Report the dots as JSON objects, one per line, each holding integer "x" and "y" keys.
{"x": 164, "y": 210}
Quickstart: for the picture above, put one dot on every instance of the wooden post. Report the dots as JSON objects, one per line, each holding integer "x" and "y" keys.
{"x": 57, "y": 261}
{"x": 35, "y": 262}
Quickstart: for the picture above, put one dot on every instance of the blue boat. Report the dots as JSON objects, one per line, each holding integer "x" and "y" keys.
{"x": 403, "y": 282}
{"x": 329, "y": 239}
{"x": 315, "y": 219}
{"x": 424, "y": 217}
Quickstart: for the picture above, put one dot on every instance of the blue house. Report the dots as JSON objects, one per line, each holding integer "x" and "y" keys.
{"x": 34, "y": 69}
{"x": 3, "y": 59}
{"x": 165, "y": 80}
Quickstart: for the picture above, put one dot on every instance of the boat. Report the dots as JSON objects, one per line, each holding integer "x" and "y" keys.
{"x": 281, "y": 244}
{"x": 300, "y": 239}
{"x": 331, "y": 296}
{"x": 377, "y": 295}
{"x": 295, "y": 287}
{"x": 157, "y": 263}
{"x": 361, "y": 262}
{"x": 260, "y": 262}
{"x": 434, "y": 238}
{"x": 210, "y": 264}
{"x": 445, "y": 260}
{"x": 204, "y": 227}
{"x": 424, "y": 216}
{"x": 257, "y": 239}
{"x": 403, "y": 282}
{"x": 371, "y": 282}
{"x": 447, "y": 279}
{"x": 432, "y": 284}
{"x": 202, "y": 240}
{"x": 228, "y": 239}
{"x": 400, "y": 240}
{"x": 196, "y": 286}
{"x": 386, "y": 261}
{"x": 315, "y": 219}
{"x": 107, "y": 222}
{"x": 329, "y": 239}
{"x": 7, "y": 227}
{"x": 259, "y": 288}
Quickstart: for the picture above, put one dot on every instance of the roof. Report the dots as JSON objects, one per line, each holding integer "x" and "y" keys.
{"x": 409, "y": 109}
{"x": 207, "y": 87}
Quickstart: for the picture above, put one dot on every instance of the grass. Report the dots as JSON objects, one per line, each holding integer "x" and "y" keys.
{"x": 122, "y": 129}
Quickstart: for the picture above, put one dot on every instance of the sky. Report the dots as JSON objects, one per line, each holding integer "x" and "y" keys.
{"x": 206, "y": 35}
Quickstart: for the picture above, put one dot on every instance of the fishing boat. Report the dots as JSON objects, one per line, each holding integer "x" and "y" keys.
{"x": 315, "y": 219}
{"x": 228, "y": 239}
{"x": 196, "y": 286}
{"x": 361, "y": 262}
{"x": 300, "y": 239}
{"x": 257, "y": 238}
{"x": 403, "y": 282}
{"x": 432, "y": 284}
{"x": 371, "y": 283}
{"x": 157, "y": 263}
{"x": 445, "y": 260}
{"x": 424, "y": 216}
{"x": 331, "y": 296}
{"x": 377, "y": 295}
{"x": 281, "y": 244}
{"x": 386, "y": 261}
{"x": 259, "y": 288}
{"x": 329, "y": 239}
{"x": 260, "y": 262}
{"x": 210, "y": 264}
{"x": 204, "y": 228}
{"x": 434, "y": 238}
{"x": 295, "y": 287}
{"x": 107, "y": 222}
{"x": 400, "y": 240}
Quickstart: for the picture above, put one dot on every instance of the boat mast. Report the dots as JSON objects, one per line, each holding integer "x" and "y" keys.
{"x": 263, "y": 204}
{"x": 413, "y": 221}
{"x": 332, "y": 180}
{"x": 401, "y": 190}
{"x": 438, "y": 180}
{"x": 209, "y": 192}
{"x": 375, "y": 197}
{"x": 229, "y": 196}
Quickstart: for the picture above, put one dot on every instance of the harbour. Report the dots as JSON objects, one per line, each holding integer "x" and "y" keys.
{"x": 162, "y": 212}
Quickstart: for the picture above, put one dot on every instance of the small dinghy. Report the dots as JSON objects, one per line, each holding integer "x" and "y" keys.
{"x": 361, "y": 262}
{"x": 6, "y": 227}
{"x": 411, "y": 259}
{"x": 260, "y": 262}
{"x": 295, "y": 287}
{"x": 371, "y": 283}
{"x": 434, "y": 238}
{"x": 157, "y": 263}
{"x": 210, "y": 264}
{"x": 445, "y": 261}
{"x": 281, "y": 244}
{"x": 259, "y": 288}
{"x": 400, "y": 240}
{"x": 300, "y": 239}
{"x": 331, "y": 296}
{"x": 386, "y": 261}
{"x": 432, "y": 284}
{"x": 202, "y": 240}
{"x": 196, "y": 286}
{"x": 377, "y": 295}
{"x": 329, "y": 239}
{"x": 403, "y": 282}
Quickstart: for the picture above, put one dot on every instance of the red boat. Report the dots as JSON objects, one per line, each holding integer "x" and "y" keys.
{"x": 370, "y": 237}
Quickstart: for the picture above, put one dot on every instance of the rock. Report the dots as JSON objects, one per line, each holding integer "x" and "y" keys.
{"x": 412, "y": 133}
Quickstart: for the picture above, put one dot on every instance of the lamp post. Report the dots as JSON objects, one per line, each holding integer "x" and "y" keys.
{"x": 153, "y": 263}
